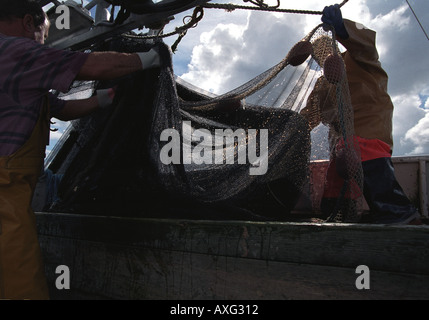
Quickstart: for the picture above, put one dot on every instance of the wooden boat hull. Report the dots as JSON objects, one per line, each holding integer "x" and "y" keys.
{"x": 126, "y": 258}
{"x": 139, "y": 258}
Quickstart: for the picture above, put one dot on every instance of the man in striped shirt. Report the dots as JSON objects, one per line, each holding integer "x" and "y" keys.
{"x": 28, "y": 71}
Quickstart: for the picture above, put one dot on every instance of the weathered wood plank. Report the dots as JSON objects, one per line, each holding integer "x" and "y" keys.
{"x": 119, "y": 258}
{"x": 386, "y": 248}
{"x": 121, "y": 272}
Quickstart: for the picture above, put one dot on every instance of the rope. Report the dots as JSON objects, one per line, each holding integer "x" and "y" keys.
{"x": 196, "y": 17}
{"x": 231, "y": 7}
{"x": 261, "y": 3}
{"x": 198, "y": 14}
{"x": 417, "y": 18}
{"x": 261, "y": 7}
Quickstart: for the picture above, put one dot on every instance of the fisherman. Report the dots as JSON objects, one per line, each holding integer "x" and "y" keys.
{"x": 28, "y": 71}
{"x": 372, "y": 111}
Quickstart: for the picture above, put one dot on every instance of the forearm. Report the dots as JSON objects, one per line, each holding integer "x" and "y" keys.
{"x": 109, "y": 65}
{"x": 74, "y": 109}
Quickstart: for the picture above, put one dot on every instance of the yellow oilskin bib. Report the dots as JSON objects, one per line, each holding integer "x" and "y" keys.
{"x": 22, "y": 274}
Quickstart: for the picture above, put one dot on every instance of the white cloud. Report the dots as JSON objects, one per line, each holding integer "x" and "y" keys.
{"x": 419, "y": 136}
{"x": 222, "y": 60}
{"x": 214, "y": 57}
{"x": 407, "y": 114}
{"x": 412, "y": 125}
{"x": 231, "y": 54}
{"x": 227, "y": 49}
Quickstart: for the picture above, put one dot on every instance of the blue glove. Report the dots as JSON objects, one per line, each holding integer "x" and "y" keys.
{"x": 332, "y": 16}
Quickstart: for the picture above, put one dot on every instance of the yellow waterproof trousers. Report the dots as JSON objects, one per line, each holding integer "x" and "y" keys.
{"x": 22, "y": 274}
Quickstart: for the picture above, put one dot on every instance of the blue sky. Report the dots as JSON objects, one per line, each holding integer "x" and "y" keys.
{"x": 227, "y": 49}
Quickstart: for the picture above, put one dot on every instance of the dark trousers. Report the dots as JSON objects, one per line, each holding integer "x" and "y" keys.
{"x": 385, "y": 197}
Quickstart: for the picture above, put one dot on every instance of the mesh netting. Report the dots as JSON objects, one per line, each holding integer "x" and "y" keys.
{"x": 259, "y": 151}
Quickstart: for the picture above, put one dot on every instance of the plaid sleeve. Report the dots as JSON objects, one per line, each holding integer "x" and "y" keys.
{"x": 32, "y": 69}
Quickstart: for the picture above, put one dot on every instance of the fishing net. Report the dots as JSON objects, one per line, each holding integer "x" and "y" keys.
{"x": 278, "y": 146}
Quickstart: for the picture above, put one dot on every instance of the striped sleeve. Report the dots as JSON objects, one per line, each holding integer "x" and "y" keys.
{"x": 32, "y": 69}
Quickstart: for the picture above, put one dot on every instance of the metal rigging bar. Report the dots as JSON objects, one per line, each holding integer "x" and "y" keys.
{"x": 85, "y": 31}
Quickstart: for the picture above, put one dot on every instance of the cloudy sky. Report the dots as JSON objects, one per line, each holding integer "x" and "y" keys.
{"x": 227, "y": 49}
